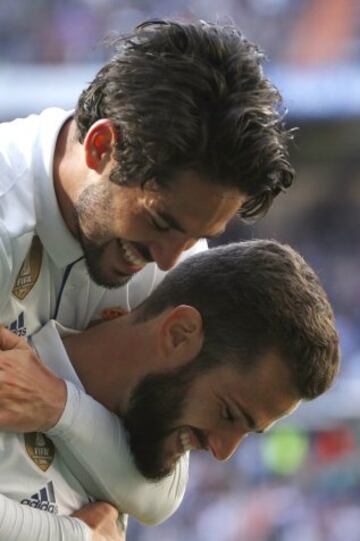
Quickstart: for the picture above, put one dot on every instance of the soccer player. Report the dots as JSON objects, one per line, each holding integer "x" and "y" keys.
{"x": 231, "y": 341}
{"x": 178, "y": 132}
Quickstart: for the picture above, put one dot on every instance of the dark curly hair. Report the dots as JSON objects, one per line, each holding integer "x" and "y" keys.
{"x": 192, "y": 96}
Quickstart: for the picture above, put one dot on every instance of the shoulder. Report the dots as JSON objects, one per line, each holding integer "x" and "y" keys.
{"x": 24, "y": 140}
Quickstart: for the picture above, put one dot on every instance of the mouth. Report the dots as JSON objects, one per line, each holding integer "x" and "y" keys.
{"x": 131, "y": 256}
{"x": 188, "y": 441}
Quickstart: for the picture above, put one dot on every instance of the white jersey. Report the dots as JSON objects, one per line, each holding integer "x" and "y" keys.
{"x": 43, "y": 273}
{"x": 91, "y": 448}
{"x": 51, "y": 473}
{"x": 43, "y": 276}
{"x": 34, "y": 474}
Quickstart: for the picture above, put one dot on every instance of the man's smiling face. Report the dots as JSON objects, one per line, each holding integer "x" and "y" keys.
{"x": 121, "y": 228}
{"x": 213, "y": 410}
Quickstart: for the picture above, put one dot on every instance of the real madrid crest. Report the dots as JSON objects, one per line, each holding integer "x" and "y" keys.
{"x": 29, "y": 271}
{"x": 40, "y": 449}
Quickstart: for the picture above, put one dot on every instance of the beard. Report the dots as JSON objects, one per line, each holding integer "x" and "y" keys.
{"x": 94, "y": 255}
{"x": 96, "y": 201}
{"x": 154, "y": 412}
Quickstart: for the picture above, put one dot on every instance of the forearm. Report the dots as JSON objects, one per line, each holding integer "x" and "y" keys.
{"x": 94, "y": 446}
{"x": 91, "y": 440}
{"x": 22, "y": 523}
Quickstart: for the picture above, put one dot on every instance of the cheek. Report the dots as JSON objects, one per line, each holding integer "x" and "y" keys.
{"x": 130, "y": 224}
{"x": 126, "y": 217}
{"x": 199, "y": 412}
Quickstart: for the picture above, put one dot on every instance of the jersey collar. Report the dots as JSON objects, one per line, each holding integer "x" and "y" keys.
{"x": 62, "y": 247}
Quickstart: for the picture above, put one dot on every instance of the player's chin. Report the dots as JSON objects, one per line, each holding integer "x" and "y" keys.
{"x": 156, "y": 470}
{"x": 162, "y": 473}
{"x": 108, "y": 278}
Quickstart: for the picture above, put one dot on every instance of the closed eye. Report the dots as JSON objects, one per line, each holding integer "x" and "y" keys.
{"x": 159, "y": 225}
{"x": 227, "y": 414}
{"x": 240, "y": 416}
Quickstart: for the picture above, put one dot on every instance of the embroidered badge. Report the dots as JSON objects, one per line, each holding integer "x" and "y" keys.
{"x": 40, "y": 449}
{"x": 29, "y": 271}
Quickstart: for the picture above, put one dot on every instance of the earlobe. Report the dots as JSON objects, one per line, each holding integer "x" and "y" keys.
{"x": 98, "y": 144}
{"x": 183, "y": 335}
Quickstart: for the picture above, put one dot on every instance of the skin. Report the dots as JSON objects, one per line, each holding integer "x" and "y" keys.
{"x": 122, "y": 228}
{"x": 224, "y": 406}
{"x": 219, "y": 409}
{"x": 167, "y": 405}
{"x": 102, "y": 519}
{"x": 213, "y": 410}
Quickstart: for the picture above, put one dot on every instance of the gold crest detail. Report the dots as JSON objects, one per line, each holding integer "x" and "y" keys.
{"x": 40, "y": 449}
{"x": 29, "y": 271}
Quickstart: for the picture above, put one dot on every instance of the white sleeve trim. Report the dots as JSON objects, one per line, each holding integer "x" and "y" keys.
{"x": 22, "y": 523}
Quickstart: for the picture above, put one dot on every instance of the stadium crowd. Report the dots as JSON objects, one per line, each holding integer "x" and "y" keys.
{"x": 67, "y": 31}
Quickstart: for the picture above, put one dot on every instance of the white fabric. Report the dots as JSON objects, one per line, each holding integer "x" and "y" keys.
{"x": 85, "y": 466}
{"x": 21, "y": 523}
{"x": 55, "y": 490}
{"x": 89, "y": 438}
{"x": 28, "y": 209}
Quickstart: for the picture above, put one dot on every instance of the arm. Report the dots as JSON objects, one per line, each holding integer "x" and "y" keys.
{"x": 93, "y": 522}
{"x": 93, "y": 443}
{"x": 22, "y": 523}
{"x": 90, "y": 439}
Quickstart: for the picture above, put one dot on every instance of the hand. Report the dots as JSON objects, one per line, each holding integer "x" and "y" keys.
{"x": 32, "y": 398}
{"x": 101, "y": 517}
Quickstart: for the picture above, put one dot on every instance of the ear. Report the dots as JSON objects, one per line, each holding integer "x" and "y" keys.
{"x": 98, "y": 144}
{"x": 181, "y": 335}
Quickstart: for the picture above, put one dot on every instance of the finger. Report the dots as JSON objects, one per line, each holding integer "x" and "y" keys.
{"x": 9, "y": 340}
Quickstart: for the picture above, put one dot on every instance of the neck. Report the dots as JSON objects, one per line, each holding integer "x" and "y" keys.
{"x": 110, "y": 359}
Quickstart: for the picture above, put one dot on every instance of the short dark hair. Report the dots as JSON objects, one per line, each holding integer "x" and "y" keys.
{"x": 254, "y": 297}
{"x": 192, "y": 96}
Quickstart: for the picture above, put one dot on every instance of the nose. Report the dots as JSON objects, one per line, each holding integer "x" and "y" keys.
{"x": 224, "y": 444}
{"x": 167, "y": 252}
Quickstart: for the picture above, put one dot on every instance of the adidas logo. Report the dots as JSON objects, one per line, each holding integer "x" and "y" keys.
{"x": 43, "y": 500}
{"x": 18, "y": 326}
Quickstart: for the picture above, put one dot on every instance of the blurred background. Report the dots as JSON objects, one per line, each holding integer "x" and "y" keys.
{"x": 301, "y": 482}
